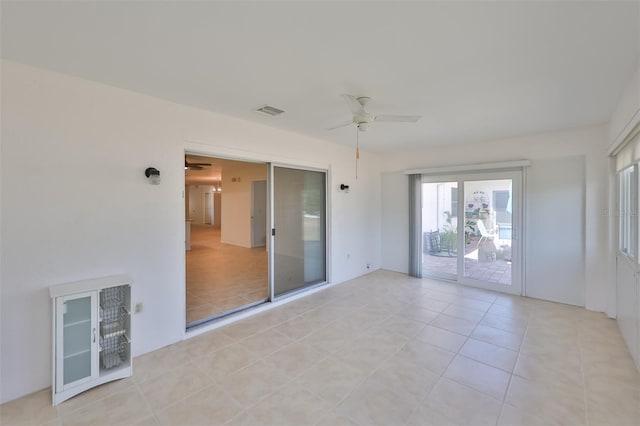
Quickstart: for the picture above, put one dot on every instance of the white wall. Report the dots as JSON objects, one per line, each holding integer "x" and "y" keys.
{"x": 196, "y": 202}
{"x": 76, "y": 204}
{"x": 590, "y": 142}
{"x": 627, "y": 112}
{"x": 236, "y": 202}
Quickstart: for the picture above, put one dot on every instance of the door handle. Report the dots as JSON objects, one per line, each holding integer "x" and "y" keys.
{"x": 94, "y": 334}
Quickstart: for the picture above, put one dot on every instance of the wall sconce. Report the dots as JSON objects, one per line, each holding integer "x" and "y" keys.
{"x": 344, "y": 188}
{"x": 153, "y": 174}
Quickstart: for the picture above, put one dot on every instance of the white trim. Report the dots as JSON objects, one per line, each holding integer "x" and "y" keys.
{"x": 626, "y": 134}
{"x": 470, "y": 167}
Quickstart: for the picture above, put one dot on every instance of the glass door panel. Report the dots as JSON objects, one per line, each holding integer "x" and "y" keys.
{"x": 440, "y": 229}
{"x": 78, "y": 337}
{"x": 488, "y": 211}
{"x": 299, "y": 221}
{"x": 469, "y": 229}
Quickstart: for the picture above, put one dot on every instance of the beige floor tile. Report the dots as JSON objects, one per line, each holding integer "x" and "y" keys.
{"x": 174, "y": 385}
{"x": 513, "y": 416}
{"x": 456, "y": 325}
{"x": 204, "y": 344}
{"x": 538, "y": 344}
{"x": 479, "y": 376}
{"x": 368, "y": 347}
{"x": 442, "y": 338}
{"x": 484, "y": 295}
{"x": 301, "y": 326}
{"x": 426, "y": 416}
{"x": 367, "y": 317}
{"x": 513, "y": 325}
{"x": 497, "y": 337}
{"x": 242, "y": 329}
{"x": 464, "y": 313}
{"x": 433, "y": 301}
{"x": 329, "y": 339}
{"x": 226, "y": 361}
{"x": 417, "y": 313}
{"x": 122, "y": 408}
{"x": 517, "y": 312}
{"x": 334, "y": 419}
{"x": 556, "y": 403}
{"x": 158, "y": 362}
{"x": 403, "y": 326}
{"x": 426, "y": 356}
{"x": 290, "y": 406}
{"x": 33, "y": 409}
{"x": 462, "y": 404}
{"x": 332, "y": 379}
{"x": 294, "y": 359}
{"x": 473, "y": 304}
{"x": 212, "y": 406}
{"x": 249, "y": 385}
{"x": 94, "y": 395}
{"x": 265, "y": 343}
{"x": 374, "y": 404}
{"x": 614, "y": 407}
{"x": 496, "y": 356}
{"x": 550, "y": 367}
{"x": 405, "y": 376}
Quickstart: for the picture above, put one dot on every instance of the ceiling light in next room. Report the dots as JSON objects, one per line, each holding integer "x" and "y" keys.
{"x": 269, "y": 110}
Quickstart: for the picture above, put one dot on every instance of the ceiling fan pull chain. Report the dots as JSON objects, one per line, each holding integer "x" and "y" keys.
{"x": 357, "y": 149}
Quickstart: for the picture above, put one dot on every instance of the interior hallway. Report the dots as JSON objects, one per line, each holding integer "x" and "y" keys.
{"x": 380, "y": 349}
{"x": 221, "y": 277}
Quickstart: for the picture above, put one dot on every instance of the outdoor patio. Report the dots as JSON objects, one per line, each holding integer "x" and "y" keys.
{"x": 496, "y": 270}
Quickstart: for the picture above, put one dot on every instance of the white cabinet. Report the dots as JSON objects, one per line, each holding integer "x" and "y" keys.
{"x": 91, "y": 334}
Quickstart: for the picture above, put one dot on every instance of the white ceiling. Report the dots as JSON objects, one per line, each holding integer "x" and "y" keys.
{"x": 475, "y": 71}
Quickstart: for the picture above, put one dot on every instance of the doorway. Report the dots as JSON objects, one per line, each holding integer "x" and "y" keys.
{"x": 226, "y": 260}
{"x": 470, "y": 229}
{"x": 267, "y": 237}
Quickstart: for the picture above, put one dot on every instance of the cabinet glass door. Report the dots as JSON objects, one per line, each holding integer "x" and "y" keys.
{"x": 77, "y": 329}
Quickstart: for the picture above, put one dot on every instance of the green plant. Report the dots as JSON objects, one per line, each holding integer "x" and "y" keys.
{"x": 449, "y": 235}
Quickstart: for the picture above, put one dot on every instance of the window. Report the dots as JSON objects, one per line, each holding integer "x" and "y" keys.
{"x": 627, "y": 202}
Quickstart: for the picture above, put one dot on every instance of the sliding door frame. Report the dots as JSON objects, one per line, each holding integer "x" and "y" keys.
{"x": 517, "y": 177}
{"x": 272, "y": 231}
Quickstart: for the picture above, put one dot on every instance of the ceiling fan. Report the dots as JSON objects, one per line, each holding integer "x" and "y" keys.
{"x": 364, "y": 119}
{"x": 194, "y": 166}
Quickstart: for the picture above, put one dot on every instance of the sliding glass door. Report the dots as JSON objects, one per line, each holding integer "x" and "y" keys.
{"x": 298, "y": 230}
{"x": 470, "y": 228}
{"x": 440, "y": 229}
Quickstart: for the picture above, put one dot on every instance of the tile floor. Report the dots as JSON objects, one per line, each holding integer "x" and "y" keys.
{"x": 221, "y": 277}
{"x": 383, "y": 349}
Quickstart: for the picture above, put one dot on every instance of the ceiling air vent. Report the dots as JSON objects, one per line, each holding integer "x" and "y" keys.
{"x": 269, "y": 110}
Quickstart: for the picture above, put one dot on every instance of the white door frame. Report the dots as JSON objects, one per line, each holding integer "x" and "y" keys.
{"x": 517, "y": 265}
{"x": 256, "y": 231}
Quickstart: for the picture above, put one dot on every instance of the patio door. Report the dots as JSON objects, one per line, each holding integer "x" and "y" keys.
{"x": 298, "y": 232}
{"x": 471, "y": 229}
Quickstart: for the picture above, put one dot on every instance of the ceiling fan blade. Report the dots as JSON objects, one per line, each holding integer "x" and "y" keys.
{"x": 194, "y": 167}
{"x": 353, "y": 104}
{"x": 346, "y": 123}
{"x": 199, "y": 164}
{"x": 399, "y": 118}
